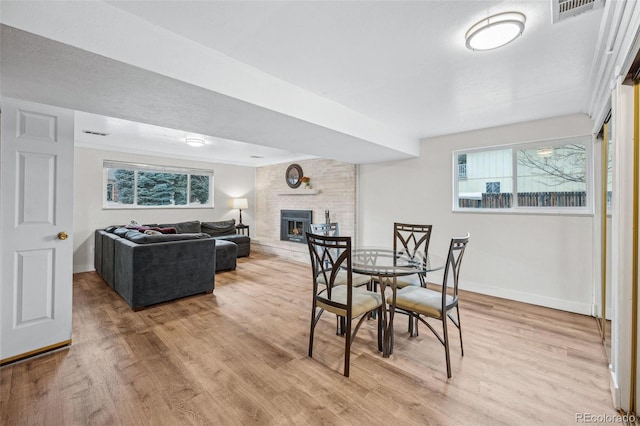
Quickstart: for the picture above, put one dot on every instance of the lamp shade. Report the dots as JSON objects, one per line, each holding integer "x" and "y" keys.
{"x": 240, "y": 203}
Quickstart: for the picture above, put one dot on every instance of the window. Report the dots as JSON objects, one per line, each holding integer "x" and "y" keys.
{"x": 462, "y": 166}
{"x": 552, "y": 176}
{"x": 129, "y": 185}
{"x": 493, "y": 188}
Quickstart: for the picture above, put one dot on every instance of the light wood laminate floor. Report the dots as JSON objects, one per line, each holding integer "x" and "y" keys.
{"x": 239, "y": 356}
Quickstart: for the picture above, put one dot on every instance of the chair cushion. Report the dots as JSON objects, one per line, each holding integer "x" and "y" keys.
{"x": 420, "y": 300}
{"x": 405, "y": 281}
{"x": 341, "y": 279}
{"x": 363, "y": 301}
{"x": 409, "y": 280}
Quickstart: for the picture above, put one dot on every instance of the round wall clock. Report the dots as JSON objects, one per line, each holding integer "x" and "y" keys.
{"x": 293, "y": 176}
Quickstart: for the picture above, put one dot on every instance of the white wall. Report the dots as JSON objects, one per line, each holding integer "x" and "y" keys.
{"x": 540, "y": 259}
{"x": 229, "y": 182}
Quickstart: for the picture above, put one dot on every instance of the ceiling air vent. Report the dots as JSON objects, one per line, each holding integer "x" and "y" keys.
{"x": 93, "y": 132}
{"x": 564, "y": 9}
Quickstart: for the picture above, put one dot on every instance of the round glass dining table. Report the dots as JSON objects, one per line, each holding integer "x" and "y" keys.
{"x": 387, "y": 265}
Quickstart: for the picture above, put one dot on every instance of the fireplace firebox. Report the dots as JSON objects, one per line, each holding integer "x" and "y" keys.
{"x": 294, "y": 224}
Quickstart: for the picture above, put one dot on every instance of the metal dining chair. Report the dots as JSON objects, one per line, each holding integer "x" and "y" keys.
{"x": 421, "y": 302}
{"x": 329, "y": 255}
{"x": 413, "y": 241}
{"x": 333, "y": 230}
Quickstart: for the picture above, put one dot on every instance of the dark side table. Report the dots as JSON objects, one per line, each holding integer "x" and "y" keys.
{"x": 241, "y": 228}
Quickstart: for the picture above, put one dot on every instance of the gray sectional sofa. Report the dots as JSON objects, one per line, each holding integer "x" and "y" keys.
{"x": 149, "y": 269}
{"x": 221, "y": 230}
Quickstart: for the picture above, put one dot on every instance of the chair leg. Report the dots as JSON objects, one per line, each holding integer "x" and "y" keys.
{"x": 313, "y": 317}
{"x": 380, "y": 329}
{"x": 347, "y": 347}
{"x": 391, "y": 333}
{"x": 460, "y": 329}
{"x": 413, "y": 325}
{"x": 446, "y": 344}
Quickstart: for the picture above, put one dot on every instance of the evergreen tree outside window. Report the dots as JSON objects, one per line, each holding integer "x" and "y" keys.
{"x": 125, "y": 180}
{"x": 199, "y": 189}
{"x": 146, "y": 186}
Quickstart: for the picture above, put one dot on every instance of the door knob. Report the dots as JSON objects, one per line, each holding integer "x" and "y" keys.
{"x": 63, "y": 235}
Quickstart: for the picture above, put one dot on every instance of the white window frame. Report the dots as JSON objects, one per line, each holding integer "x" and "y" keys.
{"x": 587, "y": 140}
{"x": 140, "y": 167}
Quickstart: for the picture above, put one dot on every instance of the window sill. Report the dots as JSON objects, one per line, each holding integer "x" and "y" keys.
{"x": 522, "y": 211}
{"x": 154, "y": 207}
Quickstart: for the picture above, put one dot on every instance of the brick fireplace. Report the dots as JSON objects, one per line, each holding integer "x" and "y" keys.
{"x": 333, "y": 188}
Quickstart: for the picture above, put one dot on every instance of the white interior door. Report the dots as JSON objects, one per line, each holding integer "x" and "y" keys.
{"x": 36, "y": 208}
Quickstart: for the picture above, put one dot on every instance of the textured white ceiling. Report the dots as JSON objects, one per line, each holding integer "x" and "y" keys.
{"x": 147, "y": 139}
{"x": 381, "y": 65}
{"x": 402, "y": 63}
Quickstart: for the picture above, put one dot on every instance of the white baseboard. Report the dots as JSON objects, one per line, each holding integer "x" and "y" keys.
{"x": 615, "y": 389}
{"x": 534, "y": 299}
{"x": 83, "y": 268}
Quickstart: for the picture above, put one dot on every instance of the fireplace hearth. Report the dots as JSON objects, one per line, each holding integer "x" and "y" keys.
{"x": 294, "y": 224}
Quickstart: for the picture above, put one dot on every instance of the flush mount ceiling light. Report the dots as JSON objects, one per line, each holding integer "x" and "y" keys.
{"x": 544, "y": 152}
{"x": 194, "y": 141}
{"x": 495, "y": 31}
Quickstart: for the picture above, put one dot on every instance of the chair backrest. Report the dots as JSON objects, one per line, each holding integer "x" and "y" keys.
{"x": 452, "y": 268}
{"x": 326, "y": 229}
{"x": 411, "y": 238}
{"x": 329, "y": 255}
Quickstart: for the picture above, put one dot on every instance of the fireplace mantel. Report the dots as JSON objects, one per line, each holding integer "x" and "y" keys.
{"x": 299, "y": 192}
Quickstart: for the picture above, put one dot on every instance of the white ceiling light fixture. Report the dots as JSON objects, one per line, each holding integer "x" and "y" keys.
{"x": 544, "y": 152}
{"x": 495, "y": 31}
{"x": 197, "y": 142}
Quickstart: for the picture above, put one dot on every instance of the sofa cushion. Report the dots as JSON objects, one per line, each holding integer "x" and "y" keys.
{"x": 236, "y": 238}
{"x": 164, "y": 230}
{"x": 215, "y": 229}
{"x": 121, "y": 231}
{"x": 226, "y": 254}
{"x": 183, "y": 227}
{"x": 141, "y": 238}
{"x": 137, "y": 228}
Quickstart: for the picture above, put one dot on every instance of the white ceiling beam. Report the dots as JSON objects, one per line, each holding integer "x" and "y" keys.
{"x": 99, "y": 28}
